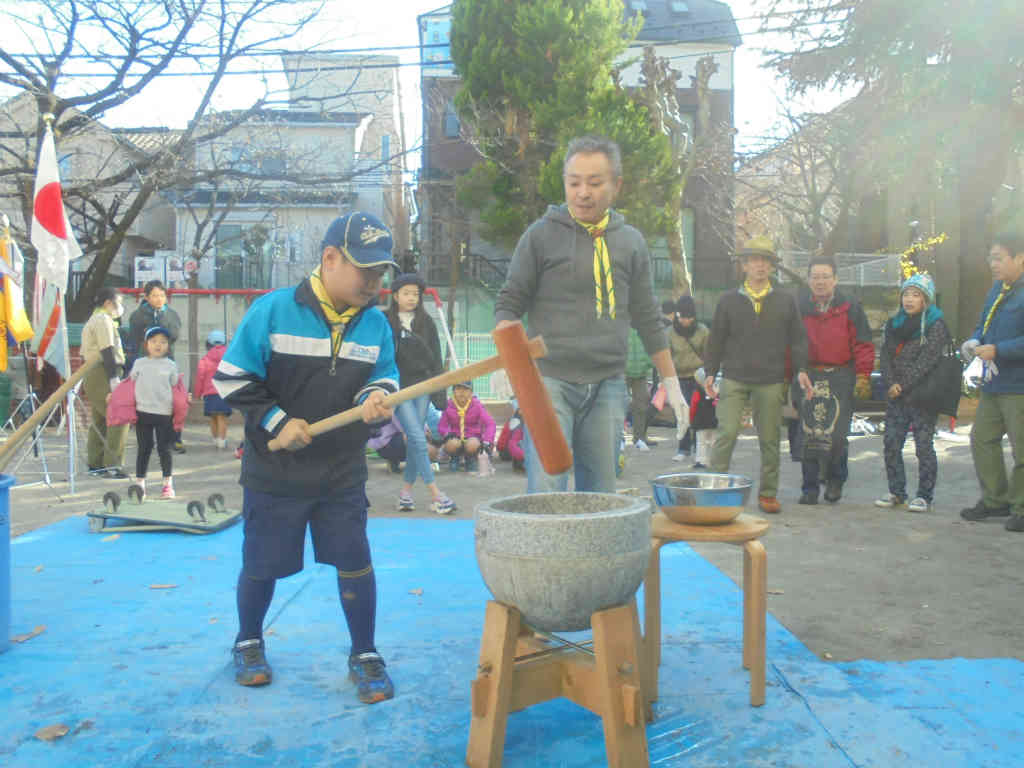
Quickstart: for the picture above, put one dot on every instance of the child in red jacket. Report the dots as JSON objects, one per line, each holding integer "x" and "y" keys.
{"x": 213, "y": 406}
{"x": 510, "y": 443}
{"x": 466, "y": 427}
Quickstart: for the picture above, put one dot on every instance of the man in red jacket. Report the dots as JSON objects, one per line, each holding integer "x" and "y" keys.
{"x": 840, "y": 358}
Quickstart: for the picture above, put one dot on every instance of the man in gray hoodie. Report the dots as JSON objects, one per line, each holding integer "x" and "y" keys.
{"x": 582, "y": 276}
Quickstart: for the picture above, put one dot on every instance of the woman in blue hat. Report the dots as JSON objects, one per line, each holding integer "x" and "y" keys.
{"x": 914, "y": 340}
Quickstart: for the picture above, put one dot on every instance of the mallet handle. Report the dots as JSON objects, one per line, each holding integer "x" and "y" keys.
{"x": 33, "y": 421}
{"x": 536, "y": 348}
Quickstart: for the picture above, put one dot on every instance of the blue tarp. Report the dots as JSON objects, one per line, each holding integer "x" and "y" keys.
{"x": 141, "y": 676}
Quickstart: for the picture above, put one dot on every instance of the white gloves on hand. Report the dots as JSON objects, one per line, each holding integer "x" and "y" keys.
{"x": 980, "y": 372}
{"x": 967, "y": 349}
{"x": 675, "y": 399}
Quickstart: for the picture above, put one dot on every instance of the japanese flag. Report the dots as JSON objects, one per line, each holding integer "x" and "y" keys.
{"x": 51, "y": 232}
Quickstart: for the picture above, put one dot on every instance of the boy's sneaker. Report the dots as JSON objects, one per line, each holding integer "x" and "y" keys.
{"x": 641, "y": 446}
{"x": 367, "y": 671}
{"x": 251, "y": 666}
{"x": 443, "y": 505}
{"x": 698, "y": 465}
{"x": 679, "y": 457}
{"x": 919, "y": 504}
{"x": 167, "y": 492}
{"x": 405, "y": 503}
{"x": 890, "y": 500}
{"x": 179, "y": 447}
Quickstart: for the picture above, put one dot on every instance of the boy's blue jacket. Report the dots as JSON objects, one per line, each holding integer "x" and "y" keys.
{"x": 1006, "y": 331}
{"x": 278, "y": 366}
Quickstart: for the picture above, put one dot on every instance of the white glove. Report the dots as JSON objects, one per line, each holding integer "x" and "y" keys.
{"x": 675, "y": 400}
{"x": 967, "y": 349}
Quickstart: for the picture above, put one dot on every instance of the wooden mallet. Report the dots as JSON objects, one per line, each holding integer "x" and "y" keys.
{"x": 516, "y": 355}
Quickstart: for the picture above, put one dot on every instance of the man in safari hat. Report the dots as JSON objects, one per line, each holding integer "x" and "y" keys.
{"x": 752, "y": 328}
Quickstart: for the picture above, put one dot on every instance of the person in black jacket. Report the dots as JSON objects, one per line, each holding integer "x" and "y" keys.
{"x": 418, "y": 355}
{"x": 153, "y": 312}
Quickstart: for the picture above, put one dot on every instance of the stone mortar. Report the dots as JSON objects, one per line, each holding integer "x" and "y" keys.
{"x": 559, "y": 557}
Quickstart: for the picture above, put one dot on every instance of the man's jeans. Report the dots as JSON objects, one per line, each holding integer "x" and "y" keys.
{"x": 766, "y": 400}
{"x": 999, "y": 415}
{"x": 591, "y": 417}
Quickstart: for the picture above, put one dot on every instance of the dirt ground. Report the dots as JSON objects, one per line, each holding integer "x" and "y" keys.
{"x": 850, "y": 580}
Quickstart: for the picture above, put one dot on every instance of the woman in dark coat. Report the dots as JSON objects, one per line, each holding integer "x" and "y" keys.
{"x": 418, "y": 355}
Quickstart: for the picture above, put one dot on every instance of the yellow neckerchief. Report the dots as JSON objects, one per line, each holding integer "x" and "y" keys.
{"x": 462, "y": 415}
{"x": 337, "y": 320}
{"x": 757, "y": 296}
{"x": 604, "y": 282}
{"x": 995, "y": 306}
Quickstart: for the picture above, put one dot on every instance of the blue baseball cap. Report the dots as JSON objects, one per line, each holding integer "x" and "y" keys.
{"x": 150, "y": 332}
{"x": 216, "y": 337}
{"x": 362, "y": 238}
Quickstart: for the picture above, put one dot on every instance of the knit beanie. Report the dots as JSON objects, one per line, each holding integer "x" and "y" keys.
{"x": 686, "y": 307}
{"x": 923, "y": 283}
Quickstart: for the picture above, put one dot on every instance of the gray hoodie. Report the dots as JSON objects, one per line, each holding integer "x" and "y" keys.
{"x": 551, "y": 281}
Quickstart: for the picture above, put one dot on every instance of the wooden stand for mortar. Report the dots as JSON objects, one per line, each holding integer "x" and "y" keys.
{"x": 517, "y": 671}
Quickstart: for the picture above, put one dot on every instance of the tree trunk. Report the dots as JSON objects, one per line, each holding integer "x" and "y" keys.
{"x": 193, "y": 327}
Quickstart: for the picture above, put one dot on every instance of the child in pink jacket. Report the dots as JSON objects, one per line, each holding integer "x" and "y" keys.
{"x": 465, "y": 427}
{"x": 213, "y": 406}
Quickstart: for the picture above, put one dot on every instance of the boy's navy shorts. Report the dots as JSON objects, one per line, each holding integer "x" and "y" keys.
{"x": 275, "y": 532}
{"x": 213, "y": 404}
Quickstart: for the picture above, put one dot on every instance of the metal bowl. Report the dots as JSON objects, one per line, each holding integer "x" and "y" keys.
{"x": 701, "y": 498}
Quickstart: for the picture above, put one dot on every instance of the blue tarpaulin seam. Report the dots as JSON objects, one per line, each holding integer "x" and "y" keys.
{"x": 832, "y": 739}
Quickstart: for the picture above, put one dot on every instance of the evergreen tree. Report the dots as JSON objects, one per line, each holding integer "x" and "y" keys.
{"x": 534, "y": 74}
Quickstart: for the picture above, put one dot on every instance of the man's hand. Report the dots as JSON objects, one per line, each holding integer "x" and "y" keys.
{"x": 504, "y": 324}
{"x": 862, "y": 389}
{"x": 969, "y": 349}
{"x": 709, "y": 387}
{"x": 373, "y": 408}
{"x": 294, "y": 435}
{"x": 675, "y": 399}
{"x": 895, "y": 391}
{"x": 986, "y": 351}
{"x": 805, "y": 384}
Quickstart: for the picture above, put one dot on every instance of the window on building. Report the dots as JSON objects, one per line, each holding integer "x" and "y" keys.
{"x": 228, "y": 257}
{"x": 678, "y": 6}
{"x": 452, "y": 129}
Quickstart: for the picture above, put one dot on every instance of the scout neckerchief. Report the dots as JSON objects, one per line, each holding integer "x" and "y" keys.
{"x": 337, "y": 320}
{"x": 462, "y": 415}
{"x": 604, "y": 284}
{"x": 757, "y": 296}
{"x": 995, "y": 305}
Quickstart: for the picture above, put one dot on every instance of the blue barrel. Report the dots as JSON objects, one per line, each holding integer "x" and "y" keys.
{"x": 6, "y": 481}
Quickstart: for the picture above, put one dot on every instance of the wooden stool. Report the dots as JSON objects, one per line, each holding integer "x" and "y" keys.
{"x": 745, "y": 530}
{"x": 517, "y": 670}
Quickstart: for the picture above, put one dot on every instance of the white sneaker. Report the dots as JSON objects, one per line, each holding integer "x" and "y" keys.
{"x": 443, "y": 505}
{"x": 679, "y": 457}
{"x": 918, "y": 505}
{"x": 889, "y": 501}
{"x": 641, "y": 446}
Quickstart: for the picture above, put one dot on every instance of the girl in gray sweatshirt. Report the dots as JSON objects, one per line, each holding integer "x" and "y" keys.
{"x": 154, "y": 375}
